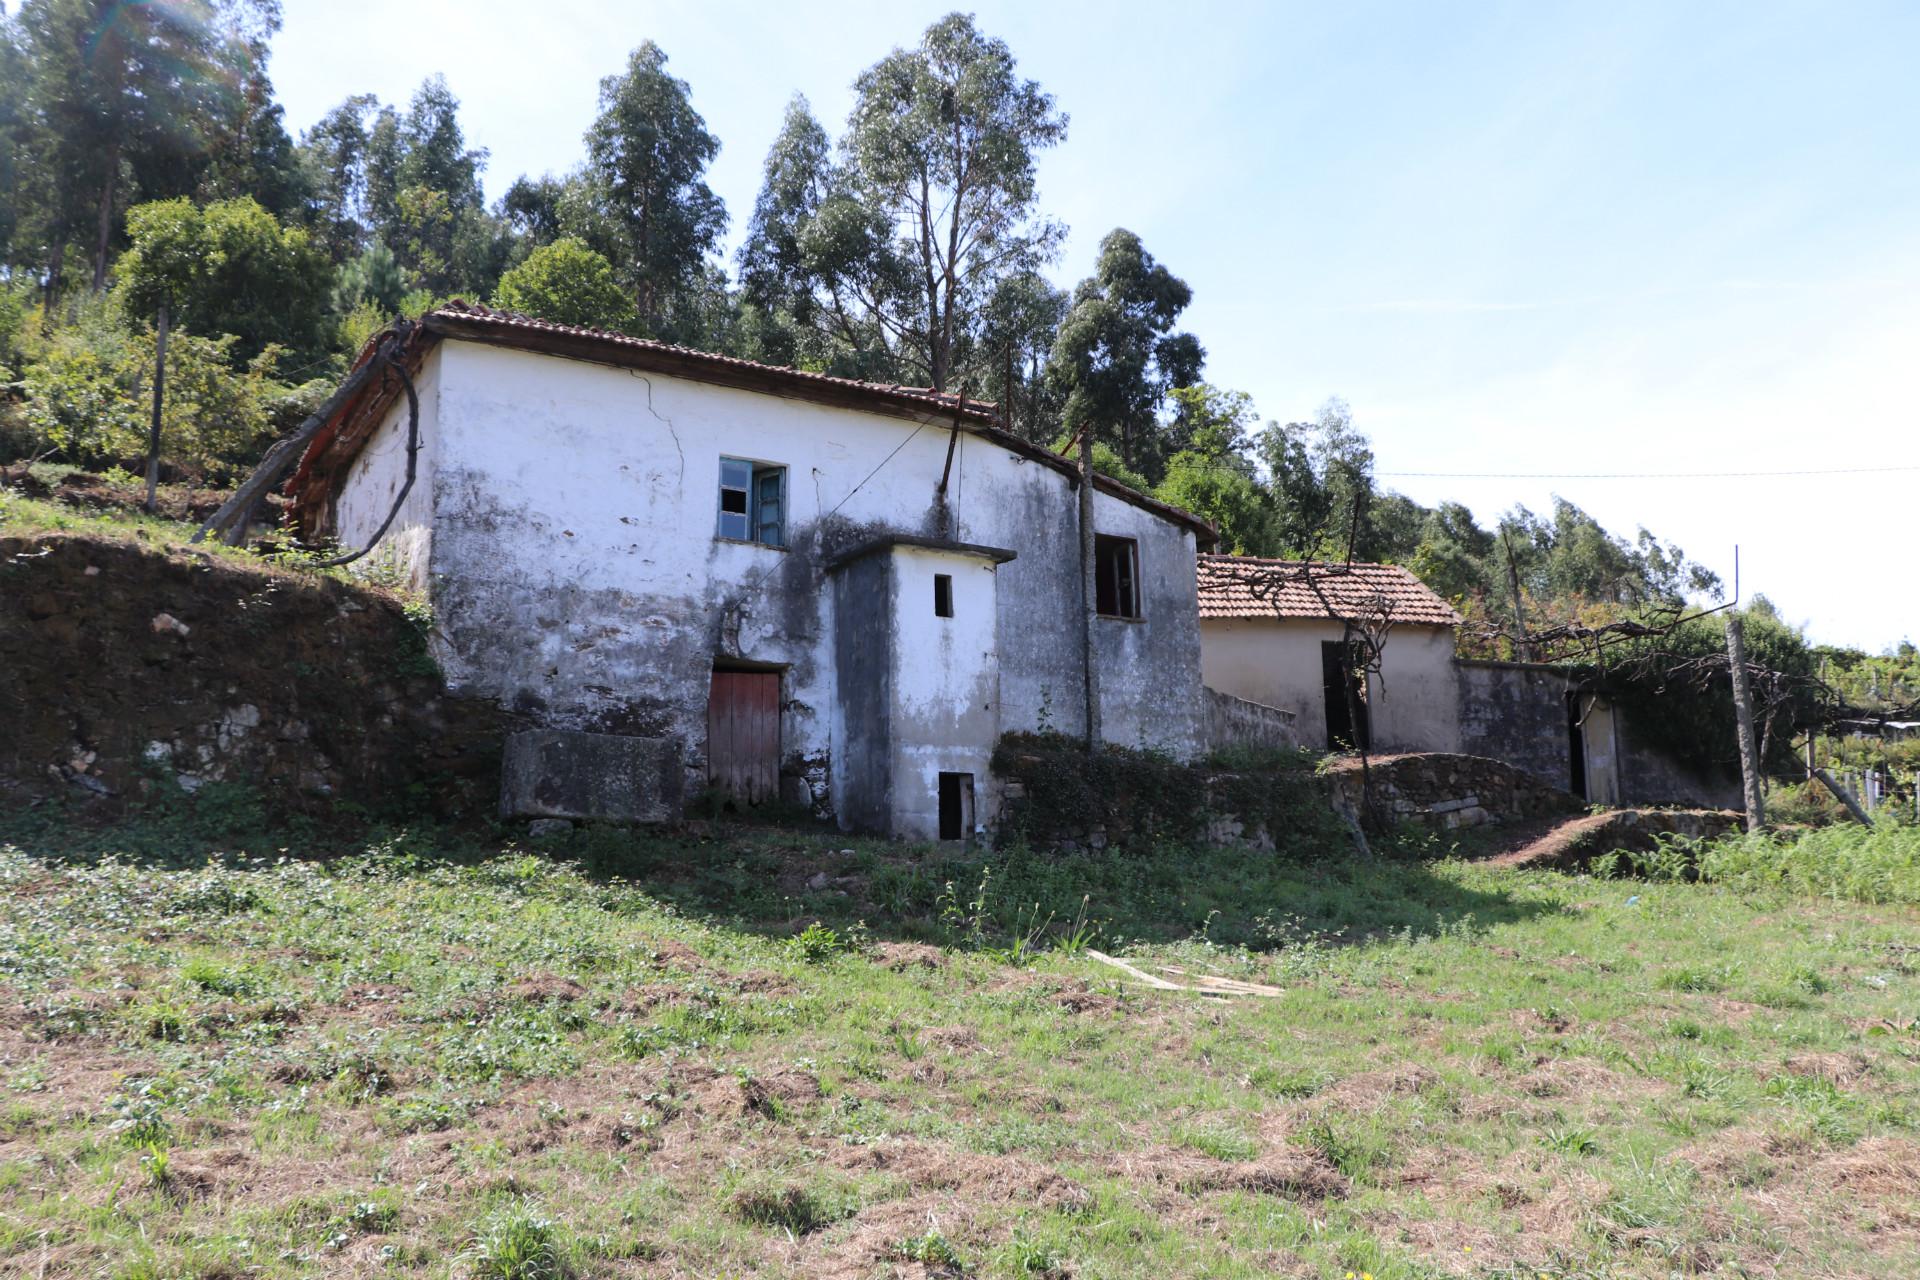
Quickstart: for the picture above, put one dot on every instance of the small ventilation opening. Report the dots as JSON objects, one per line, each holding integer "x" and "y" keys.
{"x": 943, "y": 595}
{"x": 956, "y": 805}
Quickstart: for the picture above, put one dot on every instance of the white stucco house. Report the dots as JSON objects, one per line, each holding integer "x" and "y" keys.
{"x": 688, "y": 570}
{"x": 1283, "y": 650}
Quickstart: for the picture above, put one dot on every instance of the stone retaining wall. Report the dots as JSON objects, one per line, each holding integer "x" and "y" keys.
{"x": 1444, "y": 791}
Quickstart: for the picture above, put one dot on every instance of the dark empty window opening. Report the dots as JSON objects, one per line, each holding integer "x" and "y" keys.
{"x": 956, "y": 805}
{"x": 943, "y": 595}
{"x": 753, "y": 502}
{"x": 1116, "y": 576}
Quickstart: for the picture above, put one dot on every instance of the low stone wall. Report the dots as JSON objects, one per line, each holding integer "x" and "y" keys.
{"x": 1056, "y": 797}
{"x": 1236, "y": 722}
{"x": 1444, "y": 791}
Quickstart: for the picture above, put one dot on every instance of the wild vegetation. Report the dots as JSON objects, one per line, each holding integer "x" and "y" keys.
{"x": 771, "y": 1054}
{"x": 1866, "y": 864}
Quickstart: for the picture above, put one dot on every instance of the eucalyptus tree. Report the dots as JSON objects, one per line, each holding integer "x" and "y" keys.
{"x": 893, "y": 257}
{"x": 817, "y": 267}
{"x": 1117, "y": 355}
{"x": 942, "y": 144}
{"x": 408, "y": 181}
{"x": 123, "y": 100}
{"x": 1014, "y": 345}
{"x": 647, "y": 156}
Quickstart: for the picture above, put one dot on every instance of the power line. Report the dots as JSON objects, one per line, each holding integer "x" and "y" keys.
{"x": 1643, "y": 475}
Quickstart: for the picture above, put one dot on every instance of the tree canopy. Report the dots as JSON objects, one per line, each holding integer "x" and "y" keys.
{"x": 144, "y": 156}
{"x": 568, "y": 283}
{"x": 1116, "y": 357}
{"x": 227, "y": 268}
{"x": 647, "y": 154}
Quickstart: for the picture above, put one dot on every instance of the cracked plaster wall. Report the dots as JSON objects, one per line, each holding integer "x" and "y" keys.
{"x": 577, "y": 577}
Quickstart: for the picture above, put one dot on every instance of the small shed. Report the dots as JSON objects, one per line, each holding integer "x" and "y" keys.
{"x": 1273, "y": 631}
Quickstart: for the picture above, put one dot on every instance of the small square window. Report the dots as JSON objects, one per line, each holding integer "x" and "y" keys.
{"x": 942, "y": 595}
{"x": 1116, "y": 565}
{"x": 753, "y": 502}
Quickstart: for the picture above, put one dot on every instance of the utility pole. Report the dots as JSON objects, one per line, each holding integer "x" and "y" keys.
{"x": 1743, "y": 719}
{"x": 159, "y": 394}
{"x": 1089, "y": 589}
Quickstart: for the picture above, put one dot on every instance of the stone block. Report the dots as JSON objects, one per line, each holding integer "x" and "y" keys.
{"x": 559, "y": 773}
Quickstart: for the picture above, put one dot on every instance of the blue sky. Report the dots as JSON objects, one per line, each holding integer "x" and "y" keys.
{"x": 1520, "y": 238}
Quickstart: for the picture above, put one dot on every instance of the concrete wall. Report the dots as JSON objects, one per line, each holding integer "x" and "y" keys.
{"x": 1275, "y": 661}
{"x": 1647, "y": 777}
{"x": 1517, "y": 712}
{"x": 374, "y": 479}
{"x": 577, "y": 577}
{"x": 946, "y": 687}
{"x": 1235, "y": 722}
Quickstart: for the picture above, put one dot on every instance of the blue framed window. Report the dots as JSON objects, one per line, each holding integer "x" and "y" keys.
{"x": 753, "y": 502}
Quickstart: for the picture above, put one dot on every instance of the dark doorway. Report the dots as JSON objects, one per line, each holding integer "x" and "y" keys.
{"x": 743, "y": 735}
{"x": 956, "y": 805}
{"x": 1340, "y": 673}
{"x": 1576, "y": 747}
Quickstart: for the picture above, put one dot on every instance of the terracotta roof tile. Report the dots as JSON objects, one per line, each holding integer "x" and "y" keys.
{"x": 474, "y": 313}
{"x": 460, "y": 318}
{"x": 1326, "y": 590}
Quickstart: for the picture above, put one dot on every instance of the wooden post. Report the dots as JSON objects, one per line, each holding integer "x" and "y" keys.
{"x": 1743, "y": 721}
{"x": 1844, "y": 796}
{"x": 1089, "y": 590}
{"x": 1520, "y": 650}
{"x": 159, "y": 393}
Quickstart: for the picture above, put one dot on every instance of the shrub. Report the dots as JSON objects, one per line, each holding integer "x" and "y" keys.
{"x": 516, "y": 1242}
{"x": 89, "y": 399}
{"x": 817, "y": 943}
{"x": 1876, "y": 864}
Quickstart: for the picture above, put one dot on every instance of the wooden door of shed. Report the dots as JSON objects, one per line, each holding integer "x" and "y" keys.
{"x": 743, "y": 734}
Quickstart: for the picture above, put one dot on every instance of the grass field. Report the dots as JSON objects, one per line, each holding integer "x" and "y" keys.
{"x": 421, "y": 1061}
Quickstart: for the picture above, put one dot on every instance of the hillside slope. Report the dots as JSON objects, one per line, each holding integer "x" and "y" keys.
{"x": 126, "y": 665}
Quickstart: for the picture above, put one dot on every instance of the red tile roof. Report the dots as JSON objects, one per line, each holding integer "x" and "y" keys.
{"x": 460, "y": 316}
{"x": 342, "y": 438}
{"x": 1313, "y": 589}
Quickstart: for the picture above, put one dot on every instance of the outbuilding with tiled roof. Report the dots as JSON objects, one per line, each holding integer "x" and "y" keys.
{"x": 1278, "y": 633}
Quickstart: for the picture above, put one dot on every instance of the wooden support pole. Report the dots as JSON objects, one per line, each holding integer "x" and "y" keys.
{"x": 1843, "y": 795}
{"x": 1089, "y": 590}
{"x": 159, "y": 398}
{"x": 286, "y": 452}
{"x": 1519, "y": 649}
{"x": 1743, "y": 721}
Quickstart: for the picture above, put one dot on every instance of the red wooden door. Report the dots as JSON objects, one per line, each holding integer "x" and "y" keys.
{"x": 743, "y": 734}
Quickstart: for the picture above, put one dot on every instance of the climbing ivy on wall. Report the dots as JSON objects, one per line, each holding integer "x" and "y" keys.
{"x": 1677, "y": 698}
